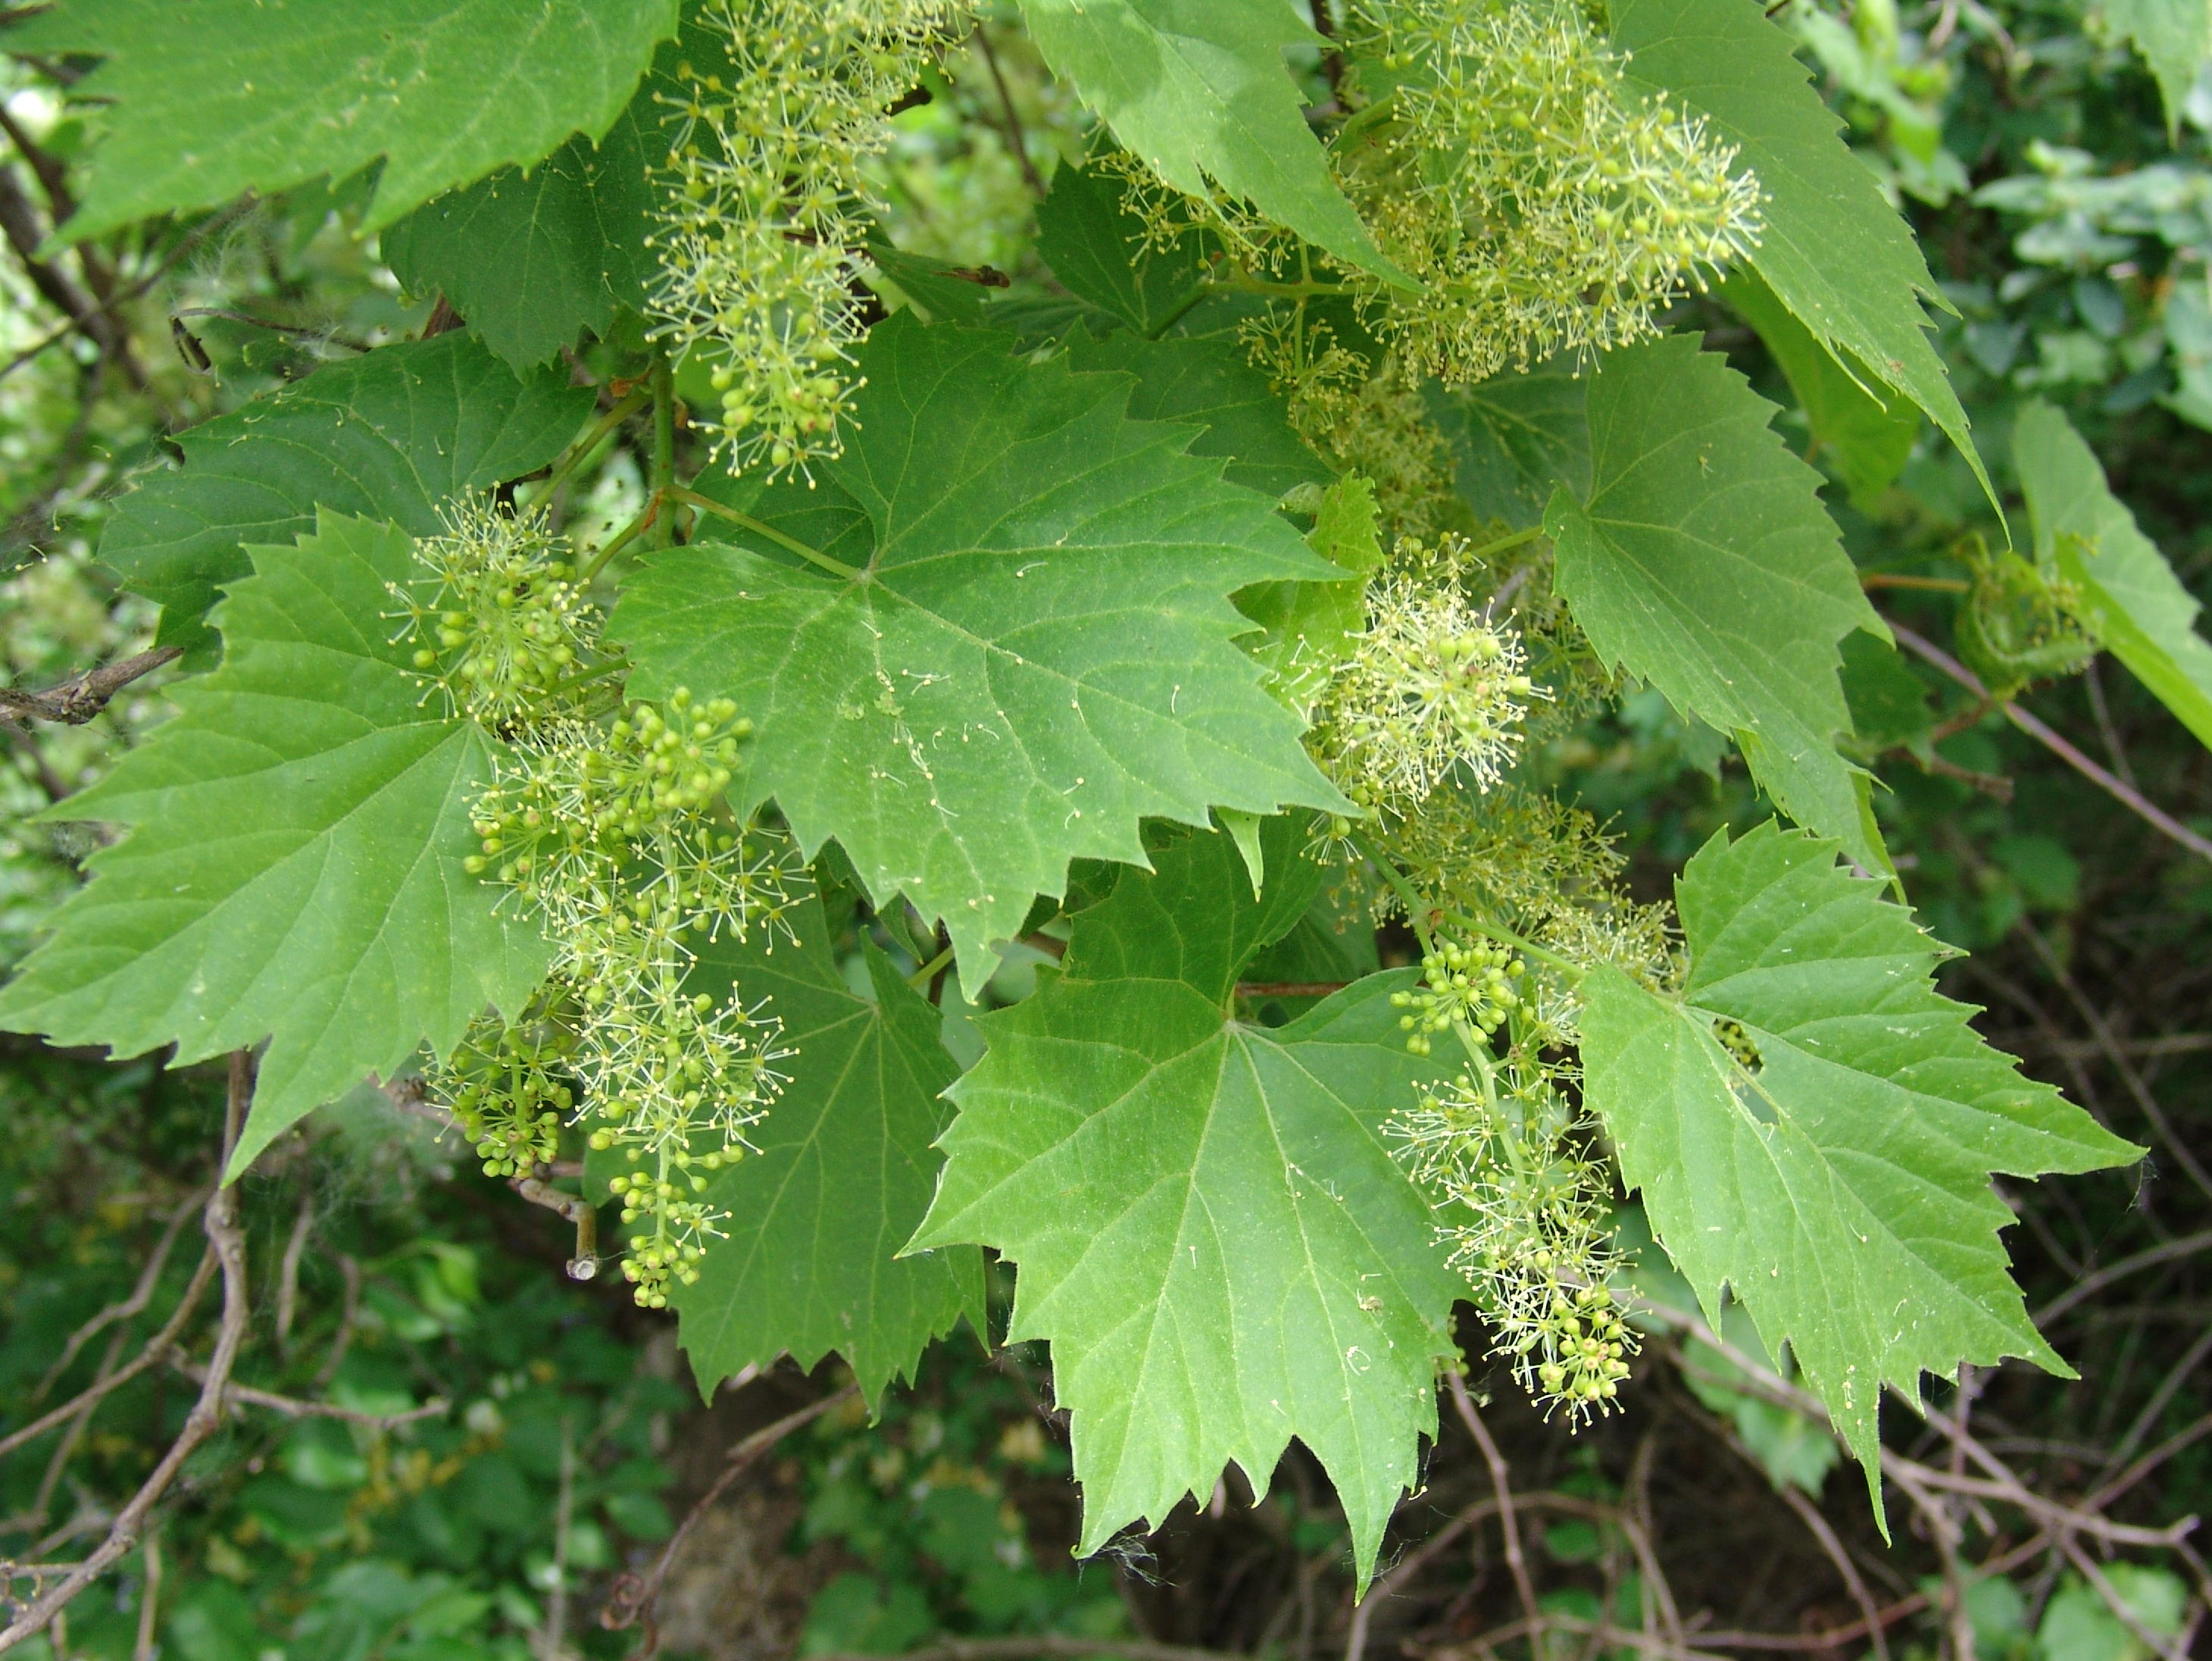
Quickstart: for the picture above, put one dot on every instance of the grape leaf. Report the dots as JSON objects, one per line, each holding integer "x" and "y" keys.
{"x": 1515, "y": 438}
{"x": 1309, "y": 627}
{"x": 531, "y": 259}
{"x": 1703, "y": 560}
{"x": 2130, "y": 598}
{"x": 1197, "y": 89}
{"x": 924, "y": 281}
{"x": 223, "y": 97}
{"x": 1839, "y": 1186}
{"x": 1835, "y": 252}
{"x": 387, "y": 436}
{"x": 1097, "y": 249}
{"x": 1869, "y": 436}
{"x": 1208, "y": 382}
{"x": 1210, "y": 1228}
{"x": 1029, "y": 649}
{"x": 844, "y": 1172}
{"x": 293, "y": 873}
{"x": 2174, "y": 38}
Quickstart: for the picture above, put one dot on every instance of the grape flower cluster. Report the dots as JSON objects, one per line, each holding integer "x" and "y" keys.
{"x": 618, "y": 838}
{"x": 1434, "y": 686}
{"x": 499, "y": 621}
{"x": 1528, "y": 1226}
{"x": 1475, "y": 985}
{"x": 763, "y": 213}
{"x": 1502, "y": 159}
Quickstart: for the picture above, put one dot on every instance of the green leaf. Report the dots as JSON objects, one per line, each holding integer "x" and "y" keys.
{"x": 1310, "y": 627}
{"x": 929, "y": 284}
{"x": 844, "y": 1172}
{"x": 2174, "y": 38}
{"x": 1869, "y": 436}
{"x": 1840, "y": 1187}
{"x": 2131, "y": 598}
{"x": 1703, "y": 562}
{"x": 1029, "y": 649}
{"x": 223, "y": 96}
{"x": 387, "y": 436}
{"x": 1097, "y": 250}
{"x": 1517, "y": 438}
{"x": 532, "y": 259}
{"x": 1211, "y": 1229}
{"x": 1834, "y": 251}
{"x": 1197, "y": 89}
{"x": 293, "y": 873}
{"x": 1207, "y": 382}
{"x": 1888, "y": 701}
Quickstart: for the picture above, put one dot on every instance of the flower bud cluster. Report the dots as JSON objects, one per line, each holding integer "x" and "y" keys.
{"x": 762, "y": 207}
{"x": 1477, "y": 986}
{"x": 1434, "y": 687}
{"x": 506, "y": 621}
{"x": 1502, "y": 159}
{"x": 1528, "y": 1221}
{"x": 509, "y": 1088}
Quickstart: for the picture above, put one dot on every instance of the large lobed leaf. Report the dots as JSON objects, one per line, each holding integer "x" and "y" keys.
{"x": 293, "y": 873}
{"x": 1834, "y": 251}
{"x": 390, "y": 436}
{"x": 2129, "y": 595}
{"x": 1032, "y": 653}
{"x": 222, "y": 96}
{"x": 531, "y": 259}
{"x": 1210, "y": 1228}
{"x": 1703, "y": 560}
{"x": 844, "y": 1172}
{"x": 1840, "y": 1187}
{"x": 1198, "y": 91}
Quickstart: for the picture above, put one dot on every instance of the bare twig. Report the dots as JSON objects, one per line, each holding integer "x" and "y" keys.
{"x": 85, "y": 694}
{"x": 2120, "y": 1064}
{"x": 150, "y": 1600}
{"x": 634, "y": 1596}
{"x": 227, "y": 1242}
{"x": 1017, "y": 141}
{"x": 292, "y": 1407}
{"x": 2129, "y": 798}
{"x": 1501, "y": 1481}
{"x": 348, "y": 1311}
{"x": 288, "y": 1270}
{"x": 2089, "y": 1286}
{"x": 130, "y": 1307}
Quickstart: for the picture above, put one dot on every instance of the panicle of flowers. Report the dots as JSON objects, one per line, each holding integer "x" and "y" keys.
{"x": 1503, "y": 160}
{"x": 1435, "y": 687}
{"x": 763, "y": 211}
{"x": 619, "y": 839}
{"x": 1526, "y": 1213}
{"x": 498, "y": 619}
{"x": 1474, "y": 984}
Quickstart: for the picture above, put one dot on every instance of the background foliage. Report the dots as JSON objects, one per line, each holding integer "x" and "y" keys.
{"x": 2062, "y": 194}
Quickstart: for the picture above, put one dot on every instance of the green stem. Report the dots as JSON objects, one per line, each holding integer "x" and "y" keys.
{"x": 791, "y": 545}
{"x": 921, "y": 977}
{"x": 1499, "y": 931}
{"x": 629, "y": 533}
{"x": 585, "y": 677}
{"x": 1199, "y": 290}
{"x": 1244, "y": 283}
{"x": 576, "y": 454}
{"x": 1407, "y": 898}
{"x": 663, "y": 446}
{"x": 1506, "y": 544}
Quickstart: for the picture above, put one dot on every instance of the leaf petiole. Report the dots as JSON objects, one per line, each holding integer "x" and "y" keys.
{"x": 921, "y": 977}
{"x": 791, "y": 545}
{"x": 1404, "y": 890}
{"x": 576, "y": 454}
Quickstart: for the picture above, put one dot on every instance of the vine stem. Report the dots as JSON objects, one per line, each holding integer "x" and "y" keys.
{"x": 1505, "y": 936}
{"x": 664, "y": 447}
{"x": 1382, "y": 862}
{"x": 791, "y": 545}
{"x": 921, "y": 977}
{"x": 577, "y": 452}
{"x": 1506, "y": 544}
